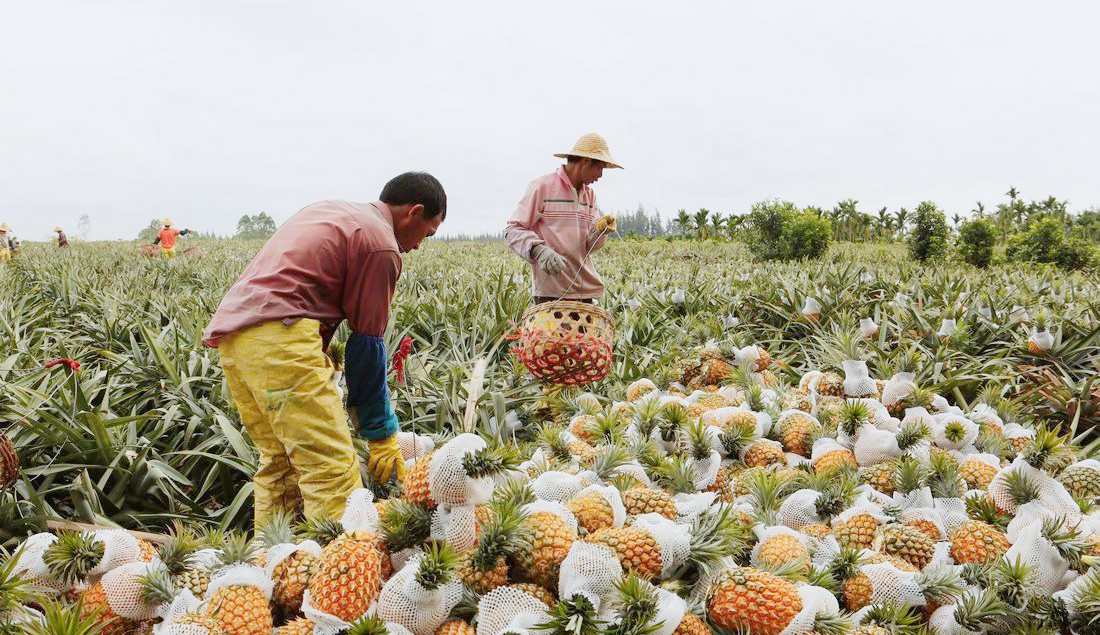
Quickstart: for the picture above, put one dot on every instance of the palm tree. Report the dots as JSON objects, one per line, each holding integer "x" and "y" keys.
{"x": 979, "y": 210}
{"x": 701, "y": 228}
{"x": 955, "y": 219}
{"x": 901, "y": 215}
{"x": 883, "y": 221}
{"x": 717, "y": 222}
{"x": 682, "y": 222}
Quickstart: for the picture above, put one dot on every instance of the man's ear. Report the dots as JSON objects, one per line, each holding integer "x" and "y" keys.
{"x": 417, "y": 210}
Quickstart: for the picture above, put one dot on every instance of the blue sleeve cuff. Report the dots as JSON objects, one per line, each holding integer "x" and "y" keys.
{"x": 365, "y": 370}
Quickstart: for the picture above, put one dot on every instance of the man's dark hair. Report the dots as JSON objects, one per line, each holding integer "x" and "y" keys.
{"x": 412, "y": 188}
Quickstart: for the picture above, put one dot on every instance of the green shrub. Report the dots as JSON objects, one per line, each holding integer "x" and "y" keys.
{"x": 1046, "y": 241}
{"x": 976, "y": 239}
{"x": 929, "y": 237}
{"x": 777, "y": 230}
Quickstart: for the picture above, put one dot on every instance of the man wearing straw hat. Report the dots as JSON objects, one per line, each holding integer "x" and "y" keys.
{"x": 557, "y": 225}
{"x": 62, "y": 239}
{"x": 167, "y": 238}
{"x": 6, "y": 245}
{"x": 332, "y": 261}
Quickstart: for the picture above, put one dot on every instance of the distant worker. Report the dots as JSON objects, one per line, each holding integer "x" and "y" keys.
{"x": 6, "y": 243}
{"x": 167, "y": 238}
{"x": 557, "y": 225}
{"x": 62, "y": 239}
{"x": 332, "y": 261}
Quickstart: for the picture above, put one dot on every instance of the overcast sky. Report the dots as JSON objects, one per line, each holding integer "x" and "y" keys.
{"x": 207, "y": 110}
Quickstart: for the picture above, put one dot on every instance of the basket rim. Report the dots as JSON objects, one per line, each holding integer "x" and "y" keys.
{"x": 570, "y": 305}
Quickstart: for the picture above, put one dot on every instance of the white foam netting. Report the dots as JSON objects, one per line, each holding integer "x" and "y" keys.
{"x": 184, "y": 604}
{"x": 705, "y": 471}
{"x": 240, "y": 575}
{"x": 824, "y": 446}
{"x": 21, "y": 616}
{"x": 947, "y": 327}
{"x": 867, "y": 327}
{"x": 1043, "y": 340}
{"x": 447, "y": 480}
{"x": 891, "y": 584}
{"x": 984, "y": 414}
{"x": 325, "y": 623}
{"x": 942, "y": 622}
{"x": 927, "y": 514}
{"x": 732, "y": 394}
{"x": 857, "y": 381}
{"x": 952, "y": 512}
{"x": 635, "y": 470}
{"x": 413, "y": 445}
{"x": 898, "y": 387}
{"x": 794, "y": 460}
{"x": 673, "y": 539}
{"x": 456, "y": 525}
{"x": 863, "y": 505}
{"x": 509, "y": 609}
{"x": 689, "y": 506}
{"x": 939, "y": 431}
{"x": 1071, "y": 595}
{"x": 119, "y": 547}
{"x": 764, "y": 534}
{"x": 875, "y": 446}
{"x": 799, "y": 509}
{"x": 277, "y": 553}
{"x": 30, "y": 566}
{"x": 553, "y": 507}
{"x": 941, "y": 405}
{"x": 918, "y": 415}
{"x": 808, "y": 381}
{"x": 811, "y": 307}
{"x": 815, "y": 601}
{"x": 620, "y": 410}
{"x": 123, "y": 590}
{"x": 1052, "y": 494}
{"x": 638, "y": 388}
{"x": 404, "y": 601}
{"x": 360, "y": 512}
{"x": 1035, "y": 551}
{"x": 590, "y": 570}
{"x": 670, "y": 612}
{"x": 1017, "y": 431}
{"x": 917, "y": 498}
{"x": 872, "y": 495}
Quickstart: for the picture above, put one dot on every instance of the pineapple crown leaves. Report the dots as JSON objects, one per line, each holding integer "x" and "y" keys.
{"x": 549, "y": 438}
{"x": 1021, "y": 489}
{"x": 575, "y": 615}
{"x": 832, "y": 624}
{"x": 1066, "y": 540}
{"x": 992, "y": 443}
{"x": 942, "y": 584}
{"x": 366, "y": 625}
{"x": 62, "y": 617}
{"x": 73, "y": 555}
{"x": 1013, "y": 579}
{"x": 897, "y": 618}
{"x": 754, "y": 397}
{"x": 824, "y": 578}
{"x": 404, "y": 525}
{"x": 176, "y": 552}
{"x": 277, "y": 528}
{"x": 1048, "y": 450}
{"x": 944, "y": 479}
{"x": 919, "y": 397}
{"x": 437, "y": 566}
{"x": 676, "y": 473}
{"x": 698, "y": 440}
{"x": 673, "y": 418}
{"x": 908, "y": 360}
{"x": 157, "y": 586}
{"x": 498, "y": 536}
{"x": 983, "y": 509}
{"x": 513, "y": 491}
{"x": 979, "y": 608}
{"x": 911, "y": 434}
{"x": 646, "y": 415}
{"x": 607, "y": 428}
{"x": 637, "y": 607}
{"x": 836, "y": 496}
{"x": 14, "y": 589}
{"x": 846, "y": 563}
{"x": 911, "y": 475}
{"x": 767, "y": 491}
{"x": 608, "y": 459}
{"x": 715, "y": 535}
{"x": 322, "y": 529}
{"x": 733, "y": 438}
{"x": 839, "y": 346}
{"x": 489, "y": 461}
{"x": 853, "y": 415}
{"x": 238, "y": 549}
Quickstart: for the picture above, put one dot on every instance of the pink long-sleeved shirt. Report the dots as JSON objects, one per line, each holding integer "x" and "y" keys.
{"x": 554, "y": 213}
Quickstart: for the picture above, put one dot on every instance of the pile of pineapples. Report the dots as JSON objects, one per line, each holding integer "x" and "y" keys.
{"x": 719, "y": 501}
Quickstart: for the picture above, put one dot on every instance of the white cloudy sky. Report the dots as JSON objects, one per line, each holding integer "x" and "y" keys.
{"x": 207, "y": 110}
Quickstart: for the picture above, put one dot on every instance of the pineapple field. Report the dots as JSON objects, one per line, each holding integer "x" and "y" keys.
{"x": 858, "y": 444}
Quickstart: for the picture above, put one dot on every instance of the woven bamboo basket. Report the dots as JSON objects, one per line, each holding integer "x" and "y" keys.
{"x": 566, "y": 342}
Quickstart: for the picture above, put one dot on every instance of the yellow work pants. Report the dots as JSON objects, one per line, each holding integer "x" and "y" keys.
{"x": 281, "y": 382}
{"x": 168, "y": 252}
{"x": 5, "y": 254}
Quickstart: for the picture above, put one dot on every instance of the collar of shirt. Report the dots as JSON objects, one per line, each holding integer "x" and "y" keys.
{"x": 564, "y": 176}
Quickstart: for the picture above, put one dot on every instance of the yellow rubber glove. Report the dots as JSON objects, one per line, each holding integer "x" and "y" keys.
{"x": 384, "y": 460}
{"x": 605, "y": 224}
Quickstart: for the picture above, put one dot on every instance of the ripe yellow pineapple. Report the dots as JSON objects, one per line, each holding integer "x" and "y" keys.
{"x": 639, "y": 389}
{"x": 649, "y": 500}
{"x": 857, "y": 591}
{"x": 926, "y": 527}
{"x": 834, "y": 459}
{"x": 1081, "y": 480}
{"x": 416, "y": 485}
{"x": 544, "y": 540}
{"x": 794, "y": 429}
{"x": 297, "y": 626}
{"x": 593, "y": 511}
{"x": 764, "y": 452}
{"x": 94, "y": 601}
{"x": 240, "y": 609}
{"x": 816, "y": 530}
{"x": 830, "y": 384}
{"x": 291, "y": 575}
{"x": 348, "y": 577}
{"x": 978, "y": 542}
{"x": 538, "y": 592}
{"x": 977, "y": 474}
{"x": 691, "y": 625}
{"x": 880, "y": 476}
{"x": 857, "y": 531}
{"x": 455, "y": 627}
{"x": 750, "y": 599}
{"x": 637, "y": 550}
{"x": 782, "y": 549}
{"x": 485, "y": 567}
{"x": 904, "y": 542}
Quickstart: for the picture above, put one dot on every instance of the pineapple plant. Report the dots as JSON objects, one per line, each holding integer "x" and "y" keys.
{"x": 485, "y": 567}
{"x": 751, "y": 599}
{"x": 240, "y": 608}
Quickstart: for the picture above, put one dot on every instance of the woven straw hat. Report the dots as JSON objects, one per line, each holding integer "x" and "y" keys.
{"x": 591, "y": 146}
{"x": 4, "y": 227}
{"x": 166, "y": 222}
{"x": 57, "y": 228}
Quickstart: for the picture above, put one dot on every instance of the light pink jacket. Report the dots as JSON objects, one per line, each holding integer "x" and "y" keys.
{"x": 554, "y": 213}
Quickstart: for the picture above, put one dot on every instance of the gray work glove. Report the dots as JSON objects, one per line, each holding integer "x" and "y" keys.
{"x": 550, "y": 261}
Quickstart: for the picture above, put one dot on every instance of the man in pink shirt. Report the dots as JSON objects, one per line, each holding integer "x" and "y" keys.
{"x": 332, "y": 261}
{"x": 557, "y": 226}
